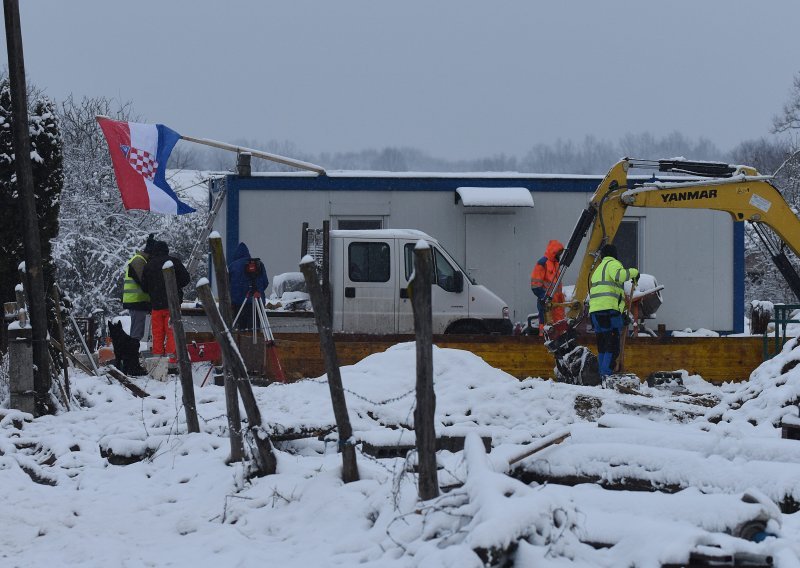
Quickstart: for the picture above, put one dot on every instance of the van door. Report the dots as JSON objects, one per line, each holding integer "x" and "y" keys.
{"x": 448, "y": 304}
{"x": 369, "y": 286}
{"x": 405, "y": 313}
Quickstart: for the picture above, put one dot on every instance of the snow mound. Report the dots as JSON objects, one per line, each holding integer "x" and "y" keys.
{"x": 772, "y": 392}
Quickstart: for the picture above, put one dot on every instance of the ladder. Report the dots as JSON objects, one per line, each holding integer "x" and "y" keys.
{"x": 200, "y": 245}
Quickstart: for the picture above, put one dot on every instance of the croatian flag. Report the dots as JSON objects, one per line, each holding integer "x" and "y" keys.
{"x": 139, "y": 153}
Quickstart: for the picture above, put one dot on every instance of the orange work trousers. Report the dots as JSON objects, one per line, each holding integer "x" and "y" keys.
{"x": 162, "y": 331}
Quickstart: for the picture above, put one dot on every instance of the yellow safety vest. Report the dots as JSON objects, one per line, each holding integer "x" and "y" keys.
{"x": 132, "y": 293}
{"x": 606, "y": 291}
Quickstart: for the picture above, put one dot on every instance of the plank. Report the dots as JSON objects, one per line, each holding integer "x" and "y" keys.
{"x": 716, "y": 359}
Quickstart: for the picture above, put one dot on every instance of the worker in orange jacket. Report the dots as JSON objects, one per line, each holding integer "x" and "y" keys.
{"x": 543, "y": 275}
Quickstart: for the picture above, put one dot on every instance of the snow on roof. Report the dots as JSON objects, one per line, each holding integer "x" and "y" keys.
{"x": 495, "y": 196}
{"x": 412, "y": 234}
{"x": 454, "y": 175}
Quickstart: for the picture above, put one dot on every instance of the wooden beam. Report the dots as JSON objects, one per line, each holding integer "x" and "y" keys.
{"x": 424, "y": 410}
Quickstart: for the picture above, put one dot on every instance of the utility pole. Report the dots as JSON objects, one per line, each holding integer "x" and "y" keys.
{"x": 30, "y": 232}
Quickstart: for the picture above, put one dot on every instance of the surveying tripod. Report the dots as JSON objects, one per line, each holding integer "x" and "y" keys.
{"x": 261, "y": 321}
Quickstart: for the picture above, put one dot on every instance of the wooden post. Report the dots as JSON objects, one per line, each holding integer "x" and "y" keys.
{"x": 184, "y": 366}
{"x": 20, "y": 370}
{"x": 21, "y": 292}
{"x": 267, "y": 464}
{"x": 224, "y": 294}
{"x": 22, "y": 311}
{"x": 56, "y": 294}
{"x": 27, "y": 205}
{"x": 426, "y": 397}
{"x": 326, "y": 267}
{"x": 322, "y": 313}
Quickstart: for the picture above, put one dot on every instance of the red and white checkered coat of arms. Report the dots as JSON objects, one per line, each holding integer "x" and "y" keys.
{"x": 140, "y": 160}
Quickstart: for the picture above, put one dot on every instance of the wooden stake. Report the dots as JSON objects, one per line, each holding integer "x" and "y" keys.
{"x": 60, "y": 331}
{"x": 322, "y": 313}
{"x": 184, "y": 366}
{"x": 231, "y": 396}
{"x": 424, "y": 425}
{"x": 267, "y": 464}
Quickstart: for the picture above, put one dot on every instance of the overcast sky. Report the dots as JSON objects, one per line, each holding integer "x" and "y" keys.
{"x": 456, "y": 78}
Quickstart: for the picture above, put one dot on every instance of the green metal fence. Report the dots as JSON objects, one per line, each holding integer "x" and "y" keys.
{"x": 783, "y": 317}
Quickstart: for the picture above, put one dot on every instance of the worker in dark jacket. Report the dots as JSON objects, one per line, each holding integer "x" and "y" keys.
{"x": 607, "y": 306}
{"x": 134, "y": 299}
{"x": 248, "y": 276}
{"x": 153, "y": 283}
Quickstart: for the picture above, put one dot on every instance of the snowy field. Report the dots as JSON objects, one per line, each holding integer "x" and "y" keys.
{"x": 715, "y": 454}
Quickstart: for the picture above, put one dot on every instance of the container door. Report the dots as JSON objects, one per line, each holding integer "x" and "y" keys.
{"x": 370, "y": 287}
{"x": 490, "y": 259}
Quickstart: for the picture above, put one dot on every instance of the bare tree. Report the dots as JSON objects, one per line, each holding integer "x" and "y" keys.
{"x": 789, "y": 118}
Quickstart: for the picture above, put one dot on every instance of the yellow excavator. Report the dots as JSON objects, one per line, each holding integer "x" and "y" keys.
{"x": 738, "y": 190}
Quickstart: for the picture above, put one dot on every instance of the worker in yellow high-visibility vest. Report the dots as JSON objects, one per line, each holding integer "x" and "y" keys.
{"x": 134, "y": 299}
{"x": 607, "y": 306}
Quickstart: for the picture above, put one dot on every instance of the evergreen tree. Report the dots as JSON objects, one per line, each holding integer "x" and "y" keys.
{"x": 48, "y": 181}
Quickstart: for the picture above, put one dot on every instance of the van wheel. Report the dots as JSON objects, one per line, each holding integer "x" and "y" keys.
{"x": 466, "y": 328}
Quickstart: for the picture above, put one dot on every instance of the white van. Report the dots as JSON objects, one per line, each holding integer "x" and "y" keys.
{"x": 369, "y": 272}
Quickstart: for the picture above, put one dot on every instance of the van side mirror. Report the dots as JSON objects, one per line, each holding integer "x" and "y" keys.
{"x": 458, "y": 284}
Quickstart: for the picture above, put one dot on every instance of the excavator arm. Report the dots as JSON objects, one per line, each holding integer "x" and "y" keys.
{"x": 737, "y": 190}
{"x": 743, "y": 193}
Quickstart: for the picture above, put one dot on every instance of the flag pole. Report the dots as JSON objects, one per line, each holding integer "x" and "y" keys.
{"x": 257, "y": 153}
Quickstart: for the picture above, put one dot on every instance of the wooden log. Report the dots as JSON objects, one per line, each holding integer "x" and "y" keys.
{"x": 322, "y": 313}
{"x": 113, "y": 372}
{"x": 424, "y": 427}
{"x": 126, "y": 382}
{"x": 56, "y": 294}
{"x": 184, "y": 366}
{"x": 75, "y": 361}
{"x": 548, "y": 441}
{"x": 231, "y": 396}
{"x": 267, "y": 464}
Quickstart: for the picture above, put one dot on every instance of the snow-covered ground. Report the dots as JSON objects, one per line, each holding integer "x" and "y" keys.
{"x": 715, "y": 451}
